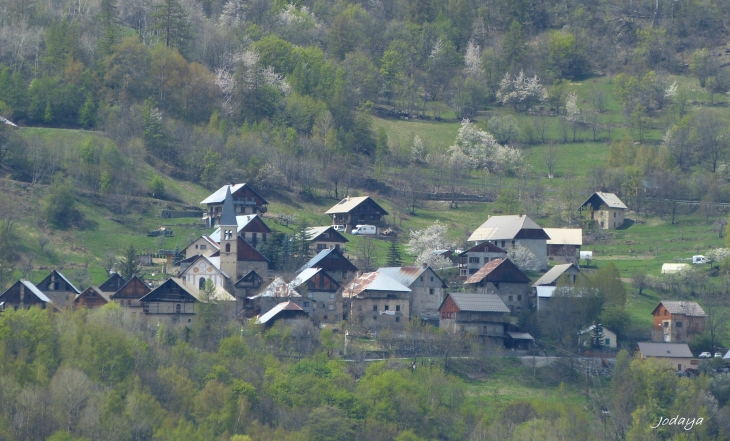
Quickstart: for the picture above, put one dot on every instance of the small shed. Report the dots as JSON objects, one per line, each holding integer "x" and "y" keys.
{"x": 672, "y": 268}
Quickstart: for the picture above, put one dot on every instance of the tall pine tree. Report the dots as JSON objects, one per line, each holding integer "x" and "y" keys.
{"x": 110, "y": 27}
{"x": 171, "y": 25}
{"x": 394, "y": 257}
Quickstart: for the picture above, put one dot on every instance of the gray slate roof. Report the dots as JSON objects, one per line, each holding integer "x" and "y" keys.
{"x": 283, "y": 306}
{"x": 692, "y": 309}
{"x": 34, "y": 289}
{"x": 241, "y": 222}
{"x": 228, "y": 216}
{"x": 503, "y": 228}
{"x": 406, "y": 275}
{"x": 479, "y": 302}
{"x": 666, "y": 350}
{"x": 610, "y": 199}
{"x": 220, "y": 194}
{"x": 553, "y": 275}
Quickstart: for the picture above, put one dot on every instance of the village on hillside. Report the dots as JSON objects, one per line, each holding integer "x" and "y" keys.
{"x": 495, "y": 290}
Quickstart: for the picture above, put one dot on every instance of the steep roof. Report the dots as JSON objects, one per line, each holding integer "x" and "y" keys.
{"x": 498, "y": 270}
{"x": 314, "y": 232}
{"x": 666, "y": 350}
{"x": 553, "y": 274}
{"x": 220, "y": 294}
{"x": 241, "y": 221}
{"x": 484, "y": 247}
{"x": 690, "y": 309}
{"x": 277, "y": 288}
{"x": 406, "y": 275}
{"x": 136, "y": 286}
{"x": 478, "y": 302}
{"x": 58, "y": 273}
{"x": 95, "y": 290}
{"x": 303, "y": 277}
{"x": 112, "y": 284}
{"x": 214, "y": 263}
{"x": 348, "y": 204}
{"x": 7, "y": 121}
{"x": 508, "y": 228}
{"x": 228, "y": 216}
{"x": 374, "y": 281}
{"x": 592, "y": 327}
{"x": 273, "y": 312}
{"x": 32, "y": 288}
{"x": 249, "y": 277}
{"x": 610, "y": 199}
{"x": 564, "y": 236}
{"x": 219, "y": 195}
{"x": 320, "y": 260}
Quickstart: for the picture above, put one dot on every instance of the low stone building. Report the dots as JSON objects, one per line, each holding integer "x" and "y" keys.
{"x": 676, "y": 355}
{"x": 480, "y": 314}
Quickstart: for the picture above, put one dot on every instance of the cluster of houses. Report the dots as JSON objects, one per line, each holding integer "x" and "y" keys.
{"x": 329, "y": 288}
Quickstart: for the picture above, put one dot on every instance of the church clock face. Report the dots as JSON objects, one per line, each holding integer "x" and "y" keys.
{"x": 210, "y": 270}
{"x": 195, "y": 270}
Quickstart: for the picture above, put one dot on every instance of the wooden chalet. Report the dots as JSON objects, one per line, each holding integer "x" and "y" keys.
{"x": 677, "y": 321}
{"x": 22, "y": 295}
{"x": 351, "y": 212}
{"x": 287, "y": 311}
{"x": 471, "y": 260}
{"x": 92, "y": 297}
{"x": 129, "y": 295}
{"x": 481, "y": 314}
{"x": 174, "y": 302}
{"x": 246, "y": 200}
{"x": 504, "y": 278}
{"x": 324, "y": 238}
{"x": 114, "y": 283}
{"x": 58, "y": 288}
{"x": 334, "y": 262}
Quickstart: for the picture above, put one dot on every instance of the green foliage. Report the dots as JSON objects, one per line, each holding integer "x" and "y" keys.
{"x": 607, "y": 281}
{"x": 60, "y": 203}
{"x": 157, "y": 188}
{"x": 129, "y": 263}
{"x": 171, "y": 24}
{"x": 615, "y": 318}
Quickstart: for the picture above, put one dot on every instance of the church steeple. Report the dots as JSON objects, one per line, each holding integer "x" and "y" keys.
{"x": 229, "y": 239}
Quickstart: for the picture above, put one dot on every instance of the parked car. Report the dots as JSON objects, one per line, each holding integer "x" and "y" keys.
{"x": 718, "y": 355}
{"x": 340, "y": 228}
{"x": 365, "y": 229}
{"x": 705, "y": 355}
{"x": 699, "y": 259}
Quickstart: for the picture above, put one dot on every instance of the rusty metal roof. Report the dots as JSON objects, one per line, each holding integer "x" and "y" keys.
{"x": 373, "y": 282}
{"x": 499, "y": 270}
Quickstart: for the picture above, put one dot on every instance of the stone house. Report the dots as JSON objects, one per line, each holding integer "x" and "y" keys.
{"x": 374, "y": 299}
{"x": 319, "y": 292}
{"x": 473, "y": 259}
{"x": 505, "y": 279}
{"x": 427, "y": 289}
{"x": 246, "y": 200}
{"x": 604, "y": 211}
{"x": 565, "y": 274}
{"x": 275, "y": 292}
{"x": 512, "y": 231}
{"x": 677, "y": 321}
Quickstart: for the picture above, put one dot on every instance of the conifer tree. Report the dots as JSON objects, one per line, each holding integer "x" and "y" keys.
{"x": 110, "y": 25}
{"x": 171, "y": 24}
{"x": 129, "y": 263}
{"x": 394, "y": 257}
{"x": 87, "y": 113}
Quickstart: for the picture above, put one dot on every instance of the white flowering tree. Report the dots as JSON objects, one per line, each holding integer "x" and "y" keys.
{"x": 233, "y": 13}
{"x": 718, "y": 255}
{"x": 423, "y": 243}
{"x": 572, "y": 111}
{"x": 473, "y": 60}
{"x": 525, "y": 259}
{"x": 483, "y": 151}
{"x": 418, "y": 151}
{"x": 521, "y": 91}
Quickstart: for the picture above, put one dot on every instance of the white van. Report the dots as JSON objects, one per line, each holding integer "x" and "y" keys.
{"x": 340, "y": 228}
{"x": 365, "y": 229}
{"x": 699, "y": 260}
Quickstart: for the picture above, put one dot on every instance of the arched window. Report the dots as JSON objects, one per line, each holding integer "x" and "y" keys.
{"x": 177, "y": 308}
{"x": 201, "y": 283}
{"x": 228, "y": 248}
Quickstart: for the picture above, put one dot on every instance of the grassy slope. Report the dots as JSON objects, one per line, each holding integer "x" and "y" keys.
{"x": 641, "y": 246}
